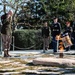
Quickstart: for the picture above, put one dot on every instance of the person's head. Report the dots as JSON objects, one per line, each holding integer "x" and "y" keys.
{"x": 45, "y": 23}
{"x": 10, "y": 12}
{"x": 67, "y": 23}
{"x": 55, "y": 20}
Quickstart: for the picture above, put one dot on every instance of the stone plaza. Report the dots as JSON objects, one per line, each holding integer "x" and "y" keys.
{"x": 35, "y": 62}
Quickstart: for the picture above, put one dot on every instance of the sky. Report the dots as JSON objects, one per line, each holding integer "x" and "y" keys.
{"x": 1, "y": 7}
{"x": 7, "y": 8}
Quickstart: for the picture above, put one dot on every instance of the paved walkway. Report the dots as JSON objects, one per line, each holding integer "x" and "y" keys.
{"x": 21, "y": 63}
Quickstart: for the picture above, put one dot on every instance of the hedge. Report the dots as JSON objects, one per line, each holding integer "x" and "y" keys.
{"x": 27, "y": 39}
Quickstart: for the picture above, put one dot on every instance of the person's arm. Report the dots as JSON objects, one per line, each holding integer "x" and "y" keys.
{"x": 42, "y": 32}
{"x": 51, "y": 29}
{"x": 2, "y": 19}
{"x": 59, "y": 33}
{"x": 59, "y": 28}
{"x": 71, "y": 30}
{"x": 48, "y": 31}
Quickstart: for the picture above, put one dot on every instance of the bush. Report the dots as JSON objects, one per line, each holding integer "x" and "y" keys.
{"x": 27, "y": 39}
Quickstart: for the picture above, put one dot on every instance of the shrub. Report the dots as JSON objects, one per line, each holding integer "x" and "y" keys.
{"x": 27, "y": 39}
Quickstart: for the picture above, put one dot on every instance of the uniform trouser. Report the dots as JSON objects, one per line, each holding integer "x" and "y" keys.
{"x": 54, "y": 44}
{"x": 6, "y": 41}
{"x": 73, "y": 41}
{"x": 68, "y": 48}
{"x": 45, "y": 43}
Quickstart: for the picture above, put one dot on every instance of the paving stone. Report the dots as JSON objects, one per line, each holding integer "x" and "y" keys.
{"x": 40, "y": 72}
{"x": 16, "y": 63}
{"x": 28, "y": 71}
{"x": 10, "y": 73}
{"x": 11, "y": 69}
{"x": 69, "y": 74}
{"x": 70, "y": 52}
{"x": 48, "y": 73}
{"x": 7, "y": 70}
{"x": 4, "y": 61}
{"x": 13, "y": 65}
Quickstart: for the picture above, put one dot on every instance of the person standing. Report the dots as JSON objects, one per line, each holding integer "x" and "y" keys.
{"x": 73, "y": 34}
{"x": 68, "y": 29}
{"x": 55, "y": 32}
{"x": 6, "y": 31}
{"x": 45, "y": 35}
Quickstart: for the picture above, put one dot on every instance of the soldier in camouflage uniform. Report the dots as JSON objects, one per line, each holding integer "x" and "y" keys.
{"x": 6, "y": 31}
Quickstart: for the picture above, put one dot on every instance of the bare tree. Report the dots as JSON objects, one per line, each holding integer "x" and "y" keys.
{"x": 15, "y": 5}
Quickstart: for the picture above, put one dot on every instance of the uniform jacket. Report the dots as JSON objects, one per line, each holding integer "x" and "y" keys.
{"x": 73, "y": 33}
{"x": 55, "y": 29}
{"x": 68, "y": 30}
{"x": 6, "y": 24}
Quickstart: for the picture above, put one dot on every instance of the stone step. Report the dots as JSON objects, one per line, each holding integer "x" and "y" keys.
{"x": 10, "y": 73}
{"x": 34, "y": 72}
{"x": 5, "y": 61}
{"x": 11, "y": 69}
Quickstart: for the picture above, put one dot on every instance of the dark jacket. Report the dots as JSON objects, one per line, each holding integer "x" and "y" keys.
{"x": 6, "y": 25}
{"x": 55, "y": 29}
{"x": 68, "y": 30}
{"x": 73, "y": 33}
{"x": 45, "y": 32}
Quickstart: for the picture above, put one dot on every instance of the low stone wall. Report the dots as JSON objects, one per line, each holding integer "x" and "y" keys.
{"x": 54, "y": 61}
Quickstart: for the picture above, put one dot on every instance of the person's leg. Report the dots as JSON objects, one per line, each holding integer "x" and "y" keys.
{"x": 4, "y": 41}
{"x": 8, "y": 45}
{"x": 67, "y": 49}
{"x": 47, "y": 43}
{"x": 73, "y": 41}
{"x": 44, "y": 44}
{"x": 54, "y": 44}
